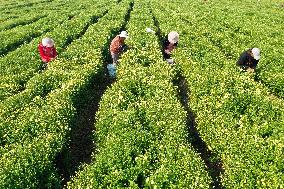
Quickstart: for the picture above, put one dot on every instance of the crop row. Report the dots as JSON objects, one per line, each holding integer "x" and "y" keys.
{"x": 266, "y": 34}
{"x": 20, "y": 21}
{"x": 24, "y": 63}
{"x": 25, "y": 17}
{"x": 12, "y": 65}
{"x": 16, "y": 14}
{"x": 237, "y": 117}
{"x": 42, "y": 84}
{"x": 234, "y": 33}
{"x": 10, "y": 13}
{"x": 21, "y": 17}
{"x": 141, "y": 138}
{"x": 45, "y": 122}
{"x": 12, "y": 38}
{"x": 21, "y": 5}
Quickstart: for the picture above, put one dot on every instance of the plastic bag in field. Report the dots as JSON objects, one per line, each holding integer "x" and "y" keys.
{"x": 170, "y": 61}
{"x": 111, "y": 70}
{"x": 149, "y": 30}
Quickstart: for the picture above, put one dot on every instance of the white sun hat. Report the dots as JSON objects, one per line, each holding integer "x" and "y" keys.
{"x": 256, "y": 53}
{"x": 173, "y": 37}
{"x": 123, "y": 34}
{"x": 47, "y": 42}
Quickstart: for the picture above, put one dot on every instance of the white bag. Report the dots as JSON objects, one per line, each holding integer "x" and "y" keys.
{"x": 149, "y": 30}
{"x": 170, "y": 60}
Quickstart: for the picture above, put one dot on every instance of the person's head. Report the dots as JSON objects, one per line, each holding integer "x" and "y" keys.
{"x": 47, "y": 42}
{"x": 173, "y": 37}
{"x": 123, "y": 35}
{"x": 255, "y": 52}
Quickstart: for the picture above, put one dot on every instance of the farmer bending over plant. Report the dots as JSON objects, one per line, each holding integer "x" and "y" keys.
{"x": 47, "y": 51}
{"x": 117, "y": 46}
{"x": 169, "y": 45}
{"x": 249, "y": 59}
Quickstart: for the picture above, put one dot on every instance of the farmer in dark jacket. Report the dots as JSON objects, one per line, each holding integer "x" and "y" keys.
{"x": 169, "y": 45}
{"x": 249, "y": 59}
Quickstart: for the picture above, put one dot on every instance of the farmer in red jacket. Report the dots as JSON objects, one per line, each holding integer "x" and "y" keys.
{"x": 47, "y": 51}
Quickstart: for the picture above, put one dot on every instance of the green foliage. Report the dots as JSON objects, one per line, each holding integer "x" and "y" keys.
{"x": 236, "y": 116}
{"x": 47, "y": 117}
{"x": 141, "y": 133}
{"x": 22, "y": 65}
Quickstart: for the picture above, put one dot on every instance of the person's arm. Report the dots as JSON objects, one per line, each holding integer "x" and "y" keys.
{"x": 243, "y": 61}
{"x": 175, "y": 46}
{"x": 123, "y": 47}
{"x": 254, "y": 64}
{"x": 44, "y": 58}
{"x": 164, "y": 46}
{"x": 54, "y": 53}
{"x": 250, "y": 64}
{"x": 166, "y": 54}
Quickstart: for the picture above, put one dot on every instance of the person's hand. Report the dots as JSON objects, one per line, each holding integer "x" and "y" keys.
{"x": 250, "y": 70}
{"x": 167, "y": 51}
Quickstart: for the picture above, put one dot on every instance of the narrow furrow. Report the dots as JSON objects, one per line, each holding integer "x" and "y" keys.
{"x": 211, "y": 160}
{"x": 81, "y": 145}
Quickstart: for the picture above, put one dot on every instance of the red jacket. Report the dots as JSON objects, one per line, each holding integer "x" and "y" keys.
{"x": 47, "y": 53}
{"x": 115, "y": 46}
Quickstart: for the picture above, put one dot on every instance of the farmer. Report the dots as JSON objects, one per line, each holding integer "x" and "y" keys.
{"x": 47, "y": 51}
{"x": 249, "y": 59}
{"x": 117, "y": 46}
{"x": 169, "y": 45}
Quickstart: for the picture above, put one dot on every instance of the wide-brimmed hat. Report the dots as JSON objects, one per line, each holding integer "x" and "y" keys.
{"x": 123, "y": 34}
{"x": 256, "y": 53}
{"x": 47, "y": 42}
{"x": 173, "y": 37}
